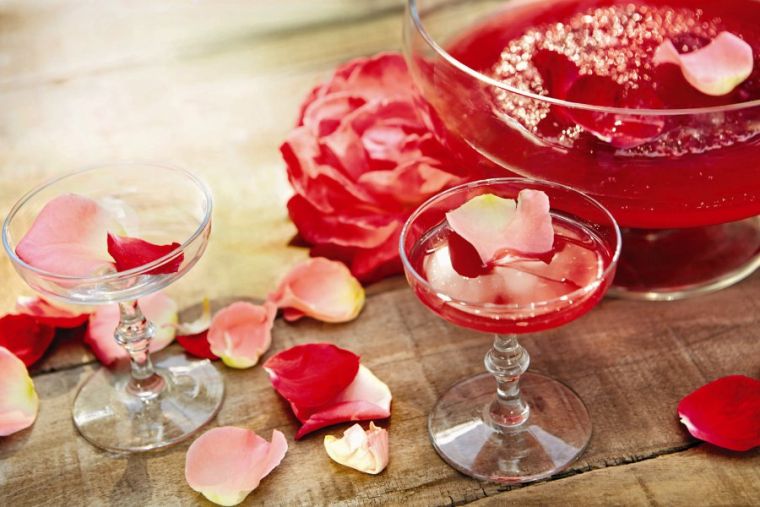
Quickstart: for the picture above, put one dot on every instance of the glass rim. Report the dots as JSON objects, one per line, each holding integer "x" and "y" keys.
{"x": 483, "y": 78}
{"x": 119, "y": 275}
{"x": 582, "y": 291}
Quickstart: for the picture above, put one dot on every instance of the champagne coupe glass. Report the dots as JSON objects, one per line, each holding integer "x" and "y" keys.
{"x": 688, "y": 199}
{"x": 144, "y": 404}
{"x": 509, "y": 425}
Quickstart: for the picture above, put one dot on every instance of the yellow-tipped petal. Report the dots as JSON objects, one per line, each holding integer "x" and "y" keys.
{"x": 18, "y": 399}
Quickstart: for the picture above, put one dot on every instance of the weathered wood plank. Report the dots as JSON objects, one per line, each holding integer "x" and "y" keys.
{"x": 627, "y": 360}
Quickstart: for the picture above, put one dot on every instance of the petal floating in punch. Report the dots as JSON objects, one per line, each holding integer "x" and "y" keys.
{"x": 130, "y": 253}
{"x": 158, "y": 308}
{"x": 366, "y": 451}
{"x": 25, "y": 337}
{"x": 322, "y": 289}
{"x": 481, "y": 221}
{"x": 225, "y": 464}
{"x": 725, "y": 412}
{"x": 313, "y": 374}
{"x": 531, "y": 231}
{"x": 715, "y": 69}
{"x": 241, "y": 333}
{"x": 367, "y": 397}
{"x": 18, "y": 399}
{"x": 68, "y": 237}
{"x": 49, "y": 314}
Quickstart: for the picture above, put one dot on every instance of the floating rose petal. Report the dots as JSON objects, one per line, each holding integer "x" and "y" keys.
{"x": 197, "y": 345}
{"x": 241, "y": 333}
{"x": 130, "y": 253}
{"x": 725, "y": 412}
{"x": 715, "y": 69}
{"x": 312, "y": 374}
{"x": 18, "y": 399}
{"x": 200, "y": 324}
{"x": 319, "y": 288}
{"x": 25, "y": 337}
{"x": 225, "y": 464}
{"x": 366, "y": 451}
{"x": 494, "y": 225}
{"x": 48, "y": 314}
{"x": 68, "y": 237}
{"x": 158, "y": 308}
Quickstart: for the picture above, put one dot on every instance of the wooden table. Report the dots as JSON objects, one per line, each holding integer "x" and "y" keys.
{"x": 215, "y": 86}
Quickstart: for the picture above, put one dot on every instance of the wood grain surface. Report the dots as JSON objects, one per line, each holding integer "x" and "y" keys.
{"x": 215, "y": 86}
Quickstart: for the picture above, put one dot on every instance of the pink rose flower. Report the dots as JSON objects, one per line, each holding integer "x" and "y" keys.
{"x": 360, "y": 160}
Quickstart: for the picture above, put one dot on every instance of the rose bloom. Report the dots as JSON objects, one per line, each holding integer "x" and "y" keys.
{"x": 360, "y": 160}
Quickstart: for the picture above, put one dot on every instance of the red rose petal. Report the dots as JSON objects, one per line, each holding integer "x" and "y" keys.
{"x": 130, "y": 253}
{"x": 313, "y": 374}
{"x": 197, "y": 345}
{"x": 725, "y": 412}
{"x": 26, "y": 338}
{"x": 464, "y": 258}
{"x": 48, "y": 314}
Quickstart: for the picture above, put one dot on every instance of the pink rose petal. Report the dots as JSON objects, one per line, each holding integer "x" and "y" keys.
{"x": 18, "y": 399}
{"x": 241, "y": 333}
{"x": 366, "y": 451}
{"x": 320, "y": 288}
{"x": 367, "y": 397}
{"x": 25, "y": 337}
{"x": 68, "y": 237}
{"x": 131, "y": 253}
{"x": 159, "y": 308}
{"x": 531, "y": 231}
{"x": 226, "y": 464}
{"x": 725, "y": 412}
{"x": 715, "y": 69}
{"x": 48, "y": 314}
{"x": 312, "y": 374}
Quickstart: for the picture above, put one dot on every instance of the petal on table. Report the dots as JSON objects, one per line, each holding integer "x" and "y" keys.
{"x": 197, "y": 345}
{"x": 199, "y": 325}
{"x": 25, "y": 337}
{"x": 225, "y": 464}
{"x": 241, "y": 333}
{"x": 715, "y": 69}
{"x": 130, "y": 253}
{"x": 313, "y": 374}
{"x": 366, "y": 398}
{"x": 366, "y": 451}
{"x": 49, "y": 314}
{"x": 322, "y": 289}
{"x": 725, "y": 412}
{"x": 158, "y": 308}
{"x": 68, "y": 237}
{"x": 18, "y": 399}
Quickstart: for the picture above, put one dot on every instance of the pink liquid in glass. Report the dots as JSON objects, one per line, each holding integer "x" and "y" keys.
{"x": 519, "y": 295}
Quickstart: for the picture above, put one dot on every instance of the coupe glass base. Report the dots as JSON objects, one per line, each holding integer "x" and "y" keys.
{"x": 554, "y": 435}
{"x": 670, "y": 264}
{"x": 114, "y": 419}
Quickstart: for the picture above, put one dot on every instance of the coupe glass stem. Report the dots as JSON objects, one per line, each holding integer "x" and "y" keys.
{"x": 134, "y": 333}
{"x": 507, "y": 361}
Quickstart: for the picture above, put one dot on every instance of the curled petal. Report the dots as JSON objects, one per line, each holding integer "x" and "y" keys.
{"x": 312, "y": 375}
{"x": 48, "y": 314}
{"x": 225, "y": 464}
{"x": 366, "y": 451}
{"x": 367, "y": 397}
{"x": 68, "y": 237}
{"x": 715, "y": 69}
{"x": 158, "y": 308}
{"x": 131, "y": 253}
{"x": 18, "y": 399}
{"x": 725, "y": 412}
{"x": 200, "y": 324}
{"x": 241, "y": 333}
{"x": 320, "y": 288}
{"x": 25, "y": 337}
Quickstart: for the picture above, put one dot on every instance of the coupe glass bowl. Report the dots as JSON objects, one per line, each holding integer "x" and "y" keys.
{"x": 690, "y": 218}
{"x": 135, "y": 405}
{"x": 507, "y": 425}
